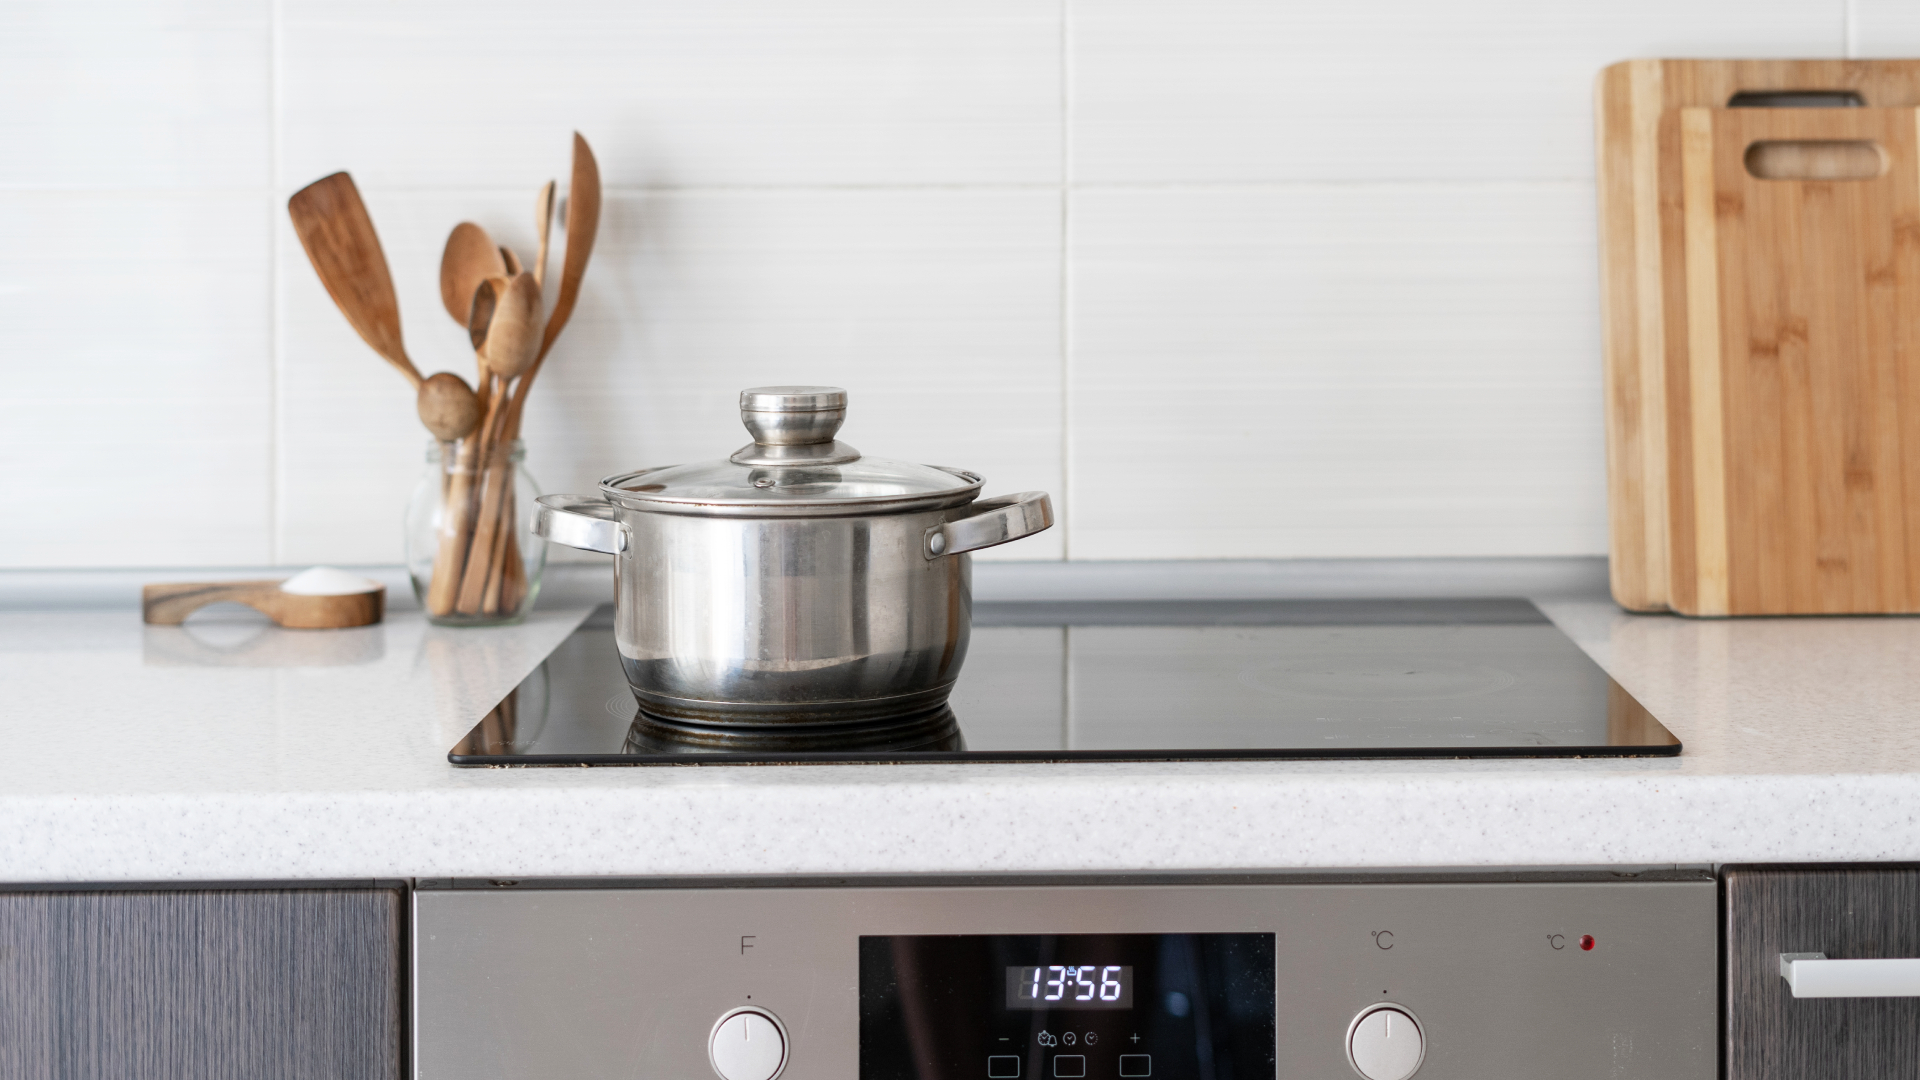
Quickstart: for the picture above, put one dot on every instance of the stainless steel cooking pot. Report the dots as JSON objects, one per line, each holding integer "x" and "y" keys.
{"x": 796, "y": 582}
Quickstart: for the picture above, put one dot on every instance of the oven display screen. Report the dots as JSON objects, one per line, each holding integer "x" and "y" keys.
{"x": 1037, "y": 1006}
{"x": 1070, "y": 986}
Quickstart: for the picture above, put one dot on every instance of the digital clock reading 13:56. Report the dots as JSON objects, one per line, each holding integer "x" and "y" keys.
{"x": 1067, "y": 986}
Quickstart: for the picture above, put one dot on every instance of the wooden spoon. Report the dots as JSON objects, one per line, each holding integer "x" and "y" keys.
{"x": 513, "y": 334}
{"x": 486, "y": 299}
{"x": 543, "y": 223}
{"x": 470, "y": 258}
{"x": 513, "y": 261}
{"x": 448, "y": 406}
{"x": 334, "y": 227}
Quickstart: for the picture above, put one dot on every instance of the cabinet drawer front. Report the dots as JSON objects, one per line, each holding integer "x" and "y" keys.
{"x": 192, "y": 984}
{"x": 1846, "y": 913}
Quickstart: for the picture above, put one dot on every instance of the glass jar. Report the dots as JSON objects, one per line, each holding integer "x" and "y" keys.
{"x": 471, "y": 551}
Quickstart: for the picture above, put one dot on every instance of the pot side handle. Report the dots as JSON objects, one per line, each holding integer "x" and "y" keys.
{"x": 587, "y": 522}
{"x": 989, "y": 522}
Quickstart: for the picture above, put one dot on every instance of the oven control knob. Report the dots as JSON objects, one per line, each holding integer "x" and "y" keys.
{"x": 747, "y": 1044}
{"x": 1384, "y": 1043}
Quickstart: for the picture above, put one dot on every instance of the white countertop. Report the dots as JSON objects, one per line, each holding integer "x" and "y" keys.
{"x": 240, "y": 751}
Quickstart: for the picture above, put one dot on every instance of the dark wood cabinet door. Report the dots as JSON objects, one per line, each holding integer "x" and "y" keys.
{"x": 1847, "y": 912}
{"x": 287, "y": 984}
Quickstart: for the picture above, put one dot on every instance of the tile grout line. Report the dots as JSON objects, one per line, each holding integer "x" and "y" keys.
{"x": 904, "y": 187}
{"x": 274, "y": 411}
{"x": 1066, "y": 279}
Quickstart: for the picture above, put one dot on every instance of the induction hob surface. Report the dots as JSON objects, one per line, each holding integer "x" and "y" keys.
{"x": 1149, "y": 681}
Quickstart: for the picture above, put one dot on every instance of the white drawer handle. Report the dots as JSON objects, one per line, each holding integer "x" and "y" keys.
{"x": 1812, "y": 975}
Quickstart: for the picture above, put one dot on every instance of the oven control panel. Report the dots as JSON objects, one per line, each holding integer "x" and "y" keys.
{"x": 1389, "y": 979}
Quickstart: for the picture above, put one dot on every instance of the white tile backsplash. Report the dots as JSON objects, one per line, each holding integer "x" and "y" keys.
{"x": 1231, "y": 279}
{"x": 1335, "y": 370}
{"x": 426, "y": 94}
{"x": 1254, "y": 90}
{"x": 136, "y": 424}
{"x": 1884, "y": 28}
{"x": 135, "y": 94}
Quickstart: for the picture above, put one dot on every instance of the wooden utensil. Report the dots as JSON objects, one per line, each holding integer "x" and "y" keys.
{"x": 333, "y": 226}
{"x": 340, "y": 240}
{"x": 456, "y": 526}
{"x": 170, "y": 604}
{"x": 583, "y": 222}
{"x": 511, "y": 260}
{"x": 486, "y": 298}
{"x": 490, "y": 575}
{"x": 512, "y": 339}
{"x": 458, "y": 507}
{"x": 469, "y": 258}
{"x": 477, "y": 569}
{"x": 513, "y": 333}
{"x": 1657, "y": 257}
{"x": 543, "y": 224}
{"x": 448, "y": 406}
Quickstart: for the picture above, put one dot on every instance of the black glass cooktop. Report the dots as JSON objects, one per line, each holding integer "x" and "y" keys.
{"x": 1150, "y": 681}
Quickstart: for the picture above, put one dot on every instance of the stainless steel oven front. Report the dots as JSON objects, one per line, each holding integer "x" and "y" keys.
{"x": 1608, "y": 976}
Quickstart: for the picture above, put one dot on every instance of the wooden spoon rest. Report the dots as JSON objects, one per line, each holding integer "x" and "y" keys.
{"x": 170, "y": 604}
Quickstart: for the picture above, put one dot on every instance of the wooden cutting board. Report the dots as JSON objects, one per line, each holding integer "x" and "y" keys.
{"x": 1768, "y": 478}
{"x": 1803, "y": 359}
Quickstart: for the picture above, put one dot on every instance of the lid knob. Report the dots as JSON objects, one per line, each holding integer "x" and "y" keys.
{"x": 793, "y": 415}
{"x": 794, "y": 425}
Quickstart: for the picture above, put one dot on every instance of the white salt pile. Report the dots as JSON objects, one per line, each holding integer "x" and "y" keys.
{"x": 327, "y": 581}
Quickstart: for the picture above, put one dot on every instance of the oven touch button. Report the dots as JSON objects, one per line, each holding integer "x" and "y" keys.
{"x": 748, "y": 1044}
{"x": 1384, "y": 1043}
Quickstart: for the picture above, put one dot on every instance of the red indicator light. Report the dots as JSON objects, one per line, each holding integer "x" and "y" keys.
{"x": 1586, "y": 942}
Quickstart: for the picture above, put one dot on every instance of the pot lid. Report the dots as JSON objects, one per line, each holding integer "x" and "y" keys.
{"x": 794, "y": 466}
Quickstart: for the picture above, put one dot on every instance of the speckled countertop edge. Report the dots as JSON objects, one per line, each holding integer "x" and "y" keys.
{"x": 1803, "y": 745}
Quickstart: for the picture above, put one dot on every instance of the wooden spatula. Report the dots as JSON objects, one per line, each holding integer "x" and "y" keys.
{"x": 583, "y": 222}
{"x": 334, "y": 228}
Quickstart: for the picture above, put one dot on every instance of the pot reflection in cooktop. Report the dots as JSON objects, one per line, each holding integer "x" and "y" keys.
{"x": 1148, "y": 681}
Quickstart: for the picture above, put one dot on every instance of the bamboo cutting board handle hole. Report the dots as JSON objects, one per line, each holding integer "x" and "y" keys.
{"x": 1796, "y": 99}
{"x": 1816, "y": 159}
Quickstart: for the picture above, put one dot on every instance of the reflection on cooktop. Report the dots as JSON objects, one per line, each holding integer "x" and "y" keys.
{"x": 1147, "y": 681}
{"x": 932, "y": 730}
{"x": 1362, "y": 677}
